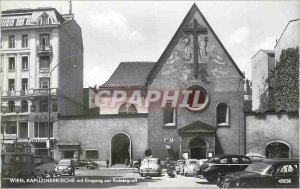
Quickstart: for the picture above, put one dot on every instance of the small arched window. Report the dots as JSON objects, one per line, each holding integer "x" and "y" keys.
{"x": 127, "y": 108}
{"x": 222, "y": 114}
{"x": 11, "y": 106}
{"x": 24, "y": 106}
{"x": 44, "y": 19}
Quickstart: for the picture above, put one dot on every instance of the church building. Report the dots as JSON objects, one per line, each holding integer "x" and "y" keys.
{"x": 194, "y": 60}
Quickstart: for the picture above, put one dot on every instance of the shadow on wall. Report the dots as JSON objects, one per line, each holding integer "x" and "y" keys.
{"x": 218, "y": 149}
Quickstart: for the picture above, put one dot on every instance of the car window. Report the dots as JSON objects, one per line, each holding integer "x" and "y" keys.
{"x": 235, "y": 160}
{"x": 245, "y": 160}
{"x": 193, "y": 162}
{"x": 223, "y": 160}
{"x": 287, "y": 170}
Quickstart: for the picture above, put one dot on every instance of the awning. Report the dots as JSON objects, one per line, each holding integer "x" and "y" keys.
{"x": 197, "y": 127}
{"x": 67, "y": 143}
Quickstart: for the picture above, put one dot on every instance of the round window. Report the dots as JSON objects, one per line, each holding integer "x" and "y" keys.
{"x": 198, "y": 97}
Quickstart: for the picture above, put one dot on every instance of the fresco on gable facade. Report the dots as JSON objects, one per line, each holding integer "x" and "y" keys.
{"x": 212, "y": 61}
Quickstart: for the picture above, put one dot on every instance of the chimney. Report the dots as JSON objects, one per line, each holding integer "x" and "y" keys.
{"x": 70, "y": 7}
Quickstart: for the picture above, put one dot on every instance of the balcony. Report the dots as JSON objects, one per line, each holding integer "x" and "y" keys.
{"x": 30, "y": 92}
{"x": 44, "y": 49}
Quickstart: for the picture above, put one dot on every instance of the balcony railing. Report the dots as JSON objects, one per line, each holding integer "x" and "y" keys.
{"x": 44, "y": 49}
{"x": 30, "y": 92}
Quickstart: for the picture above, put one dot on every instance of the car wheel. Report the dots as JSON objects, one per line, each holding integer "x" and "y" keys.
{"x": 211, "y": 180}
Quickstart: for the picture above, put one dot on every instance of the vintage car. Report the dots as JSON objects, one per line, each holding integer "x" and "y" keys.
{"x": 190, "y": 166}
{"x": 92, "y": 165}
{"x": 223, "y": 164}
{"x": 150, "y": 166}
{"x": 179, "y": 166}
{"x": 282, "y": 173}
{"x": 65, "y": 166}
{"x": 82, "y": 163}
{"x": 255, "y": 156}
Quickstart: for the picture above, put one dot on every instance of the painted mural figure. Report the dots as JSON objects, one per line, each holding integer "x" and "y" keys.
{"x": 186, "y": 71}
{"x": 202, "y": 48}
{"x": 187, "y": 48}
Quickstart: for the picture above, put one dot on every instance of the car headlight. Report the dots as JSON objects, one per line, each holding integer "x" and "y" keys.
{"x": 238, "y": 183}
{"x": 6, "y": 173}
{"x": 69, "y": 168}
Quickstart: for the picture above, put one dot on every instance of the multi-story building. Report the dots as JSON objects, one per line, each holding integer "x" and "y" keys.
{"x": 41, "y": 63}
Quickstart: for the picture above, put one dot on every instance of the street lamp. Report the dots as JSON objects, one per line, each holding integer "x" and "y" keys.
{"x": 49, "y": 97}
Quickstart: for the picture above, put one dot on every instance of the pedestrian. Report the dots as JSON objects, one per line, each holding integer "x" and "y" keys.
{"x": 126, "y": 162}
{"x": 107, "y": 163}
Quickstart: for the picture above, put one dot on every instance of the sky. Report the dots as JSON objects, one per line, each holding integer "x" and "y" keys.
{"x": 120, "y": 31}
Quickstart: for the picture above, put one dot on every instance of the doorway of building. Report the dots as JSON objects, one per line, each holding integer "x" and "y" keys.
{"x": 277, "y": 150}
{"x": 120, "y": 149}
{"x": 197, "y": 148}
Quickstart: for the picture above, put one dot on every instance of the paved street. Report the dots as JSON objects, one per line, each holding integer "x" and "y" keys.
{"x": 117, "y": 178}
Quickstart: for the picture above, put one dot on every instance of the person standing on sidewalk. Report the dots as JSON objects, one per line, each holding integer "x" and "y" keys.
{"x": 107, "y": 163}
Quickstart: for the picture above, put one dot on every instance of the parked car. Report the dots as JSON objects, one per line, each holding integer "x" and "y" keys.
{"x": 82, "y": 163}
{"x": 201, "y": 161}
{"x": 223, "y": 164}
{"x": 283, "y": 173}
{"x": 65, "y": 166}
{"x": 190, "y": 166}
{"x": 92, "y": 165}
{"x": 150, "y": 166}
{"x": 255, "y": 156}
{"x": 179, "y": 166}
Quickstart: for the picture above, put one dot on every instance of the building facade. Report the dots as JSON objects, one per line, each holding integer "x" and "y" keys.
{"x": 40, "y": 48}
{"x": 194, "y": 60}
{"x": 273, "y": 131}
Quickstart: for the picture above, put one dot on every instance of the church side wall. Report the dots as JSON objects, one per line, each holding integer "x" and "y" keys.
{"x": 96, "y": 133}
{"x": 264, "y": 128}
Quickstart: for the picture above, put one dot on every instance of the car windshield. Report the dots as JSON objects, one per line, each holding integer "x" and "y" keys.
{"x": 193, "y": 162}
{"x": 212, "y": 160}
{"x": 64, "y": 162}
{"x": 260, "y": 167}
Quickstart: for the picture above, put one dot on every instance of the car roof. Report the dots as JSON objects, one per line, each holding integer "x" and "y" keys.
{"x": 275, "y": 161}
{"x": 228, "y": 155}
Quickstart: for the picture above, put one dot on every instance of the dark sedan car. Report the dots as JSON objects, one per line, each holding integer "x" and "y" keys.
{"x": 269, "y": 173}
{"x": 223, "y": 164}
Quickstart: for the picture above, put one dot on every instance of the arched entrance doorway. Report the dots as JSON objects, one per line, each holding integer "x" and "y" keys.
{"x": 277, "y": 150}
{"x": 120, "y": 148}
{"x": 197, "y": 148}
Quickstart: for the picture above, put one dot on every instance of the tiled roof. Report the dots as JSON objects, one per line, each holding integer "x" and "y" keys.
{"x": 130, "y": 74}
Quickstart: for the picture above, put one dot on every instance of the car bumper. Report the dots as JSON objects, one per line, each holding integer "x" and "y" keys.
{"x": 150, "y": 172}
{"x": 63, "y": 171}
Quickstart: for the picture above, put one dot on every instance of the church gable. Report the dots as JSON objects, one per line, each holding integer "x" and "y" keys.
{"x": 195, "y": 53}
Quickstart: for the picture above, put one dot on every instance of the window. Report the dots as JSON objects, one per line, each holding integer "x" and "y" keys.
{"x": 24, "y": 41}
{"x": 11, "y": 41}
{"x": 44, "y": 106}
{"x": 11, "y": 128}
{"x": 24, "y": 84}
{"x": 25, "y": 63}
{"x": 127, "y": 108}
{"x": 169, "y": 115}
{"x": 11, "y": 63}
{"x": 41, "y": 129}
{"x": 234, "y": 160}
{"x": 11, "y": 84}
{"x": 44, "y": 62}
{"x": 287, "y": 170}
{"x": 224, "y": 161}
{"x": 23, "y": 130}
{"x": 92, "y": 154}
{"x": 44, "y": 39}
{"x": 11, "y": 106}
{"x": 24, "y": 106}
{"x": 222, "y": 114}
{"x": 245, "y": 160}
{"x": 44, "y": 82}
